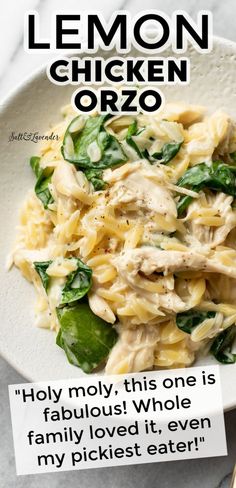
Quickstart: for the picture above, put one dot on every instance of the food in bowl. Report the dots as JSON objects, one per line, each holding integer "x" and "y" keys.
{"x": 129, "y": 238}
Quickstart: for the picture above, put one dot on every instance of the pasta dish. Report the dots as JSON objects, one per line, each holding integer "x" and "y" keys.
{"x": 129, "y": 237}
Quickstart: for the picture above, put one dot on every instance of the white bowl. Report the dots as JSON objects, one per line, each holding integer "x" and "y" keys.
{"x": 34, "y": 107}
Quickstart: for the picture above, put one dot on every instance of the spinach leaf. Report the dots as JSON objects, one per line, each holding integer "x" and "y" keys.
{"x": 222, "y": 178}
{"x": 43, "y": 179}
{"x": 95, "y": 176}
{"x": 222, "y": 346}
{"x": 34, "y": 163}
{"x": 195, "y": 177}
{"x": 146, "y": 155}
{"x": 186, "y": 321}
{"x": 42, "y": 191}
{"x": 85, "y": 337}
{"x": 132, "y": 131}
{"x": 76, "y": 143}
{"x": 183, "y": 203}
{"x": 41, "y": 268}
{"x": 168, "y": 152}
{"x": 78, "y": 283}
{"x": 216, "y": 176}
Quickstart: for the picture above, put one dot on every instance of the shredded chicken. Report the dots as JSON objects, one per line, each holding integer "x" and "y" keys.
{"x": 134, "y": 350}
{"x": 149, "y": 260}
{"x": 172, "y": 302}
{"x": 140, "y": 187}
{"x": 71, "y": 183}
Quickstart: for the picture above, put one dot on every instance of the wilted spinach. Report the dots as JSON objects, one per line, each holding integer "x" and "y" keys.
{"x": 168, "y": 152}
{"x": 186, "y": 321}
{"x": 216, "y": 176}
{"x": 43, "y": 179}
{"x": 85, "y": 337}
{"x": 75, "y": 149}
{"x": 93, "y": 131}
{"x": 41, "y": 268}
{"x": 221, "y": 347}
{"x": 95, "y": 176}
{"x": 132, "y": 131}
{"x": 78, "y": 283}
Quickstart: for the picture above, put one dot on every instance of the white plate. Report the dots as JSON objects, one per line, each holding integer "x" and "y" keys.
{"x": 33, "y": 107}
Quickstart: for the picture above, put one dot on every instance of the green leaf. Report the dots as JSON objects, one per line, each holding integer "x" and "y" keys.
{"x": 146, "y": 155}
{"x": 76, "y": 143}
{"x": 132, "y": 131}
{"x": 95, "y": 176}
{"x": 85, "y": 337}
{"x": 42, "y": 190}
{"x": 43, "y": 179}
{"x": 34, "y": 163}
{"x": 78, "y": 283}
{"x": 195, "y": 177}
{"x": 221, "y": 347}
{"x": 216, "y": 176}
{"x": 222, "y": 178}
{"x": 186, "y": 321}
{"x": 168, "y": 152}
{"x": 183, "y": 203}
{"x": 41, "y": 268}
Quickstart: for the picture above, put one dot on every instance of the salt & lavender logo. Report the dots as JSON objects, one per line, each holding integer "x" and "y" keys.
{"x": 32, "y": 137}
